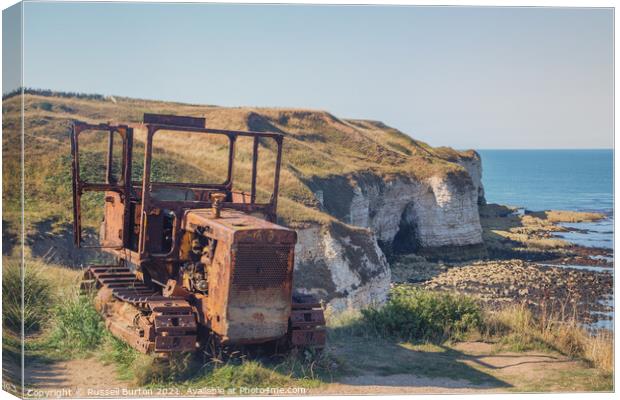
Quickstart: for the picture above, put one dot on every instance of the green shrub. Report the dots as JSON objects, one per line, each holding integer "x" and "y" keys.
{"x": 416, "y": 314}
{"x": 37, "y": 297}
{"x": 77, "y": 328}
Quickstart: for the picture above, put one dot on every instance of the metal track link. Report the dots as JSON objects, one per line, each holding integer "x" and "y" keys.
{"x": 307, "y": 323}
{"x": 163, "y": 325}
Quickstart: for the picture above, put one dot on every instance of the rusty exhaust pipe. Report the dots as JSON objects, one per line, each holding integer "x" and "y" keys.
{"x": 216, "y": 206}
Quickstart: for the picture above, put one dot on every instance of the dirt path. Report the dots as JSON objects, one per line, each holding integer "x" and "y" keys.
{"x": 475, "y": 368}
{"x": 470, "y": 367}
{"x": 400, "y": 384}
{"x": 73, "y": 378}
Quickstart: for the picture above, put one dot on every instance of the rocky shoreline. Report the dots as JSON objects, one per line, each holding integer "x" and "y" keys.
{"x": 564, "y": 293}
{"x": 527, "y": 264}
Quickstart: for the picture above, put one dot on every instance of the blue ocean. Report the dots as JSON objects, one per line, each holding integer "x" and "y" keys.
{"x": 580, "y": 180}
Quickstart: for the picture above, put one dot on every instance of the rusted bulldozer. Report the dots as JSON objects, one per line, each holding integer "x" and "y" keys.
{"x": 196, "y": 263}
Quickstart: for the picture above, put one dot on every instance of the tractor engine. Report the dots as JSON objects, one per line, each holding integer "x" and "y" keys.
{"x": 239, "y": 269}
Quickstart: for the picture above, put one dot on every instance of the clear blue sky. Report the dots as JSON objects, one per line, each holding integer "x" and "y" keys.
{"x": 463, "y": 77}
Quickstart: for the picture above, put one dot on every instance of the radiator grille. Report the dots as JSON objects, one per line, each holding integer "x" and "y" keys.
{"x": 261, "y": 266}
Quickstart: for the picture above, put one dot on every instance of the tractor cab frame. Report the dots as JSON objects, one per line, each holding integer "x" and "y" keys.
{"x": 196, "y": 261}
{"x": 133, "y": 209}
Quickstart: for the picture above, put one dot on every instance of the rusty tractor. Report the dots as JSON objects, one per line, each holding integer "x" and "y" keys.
{"x": 196, "y": 263}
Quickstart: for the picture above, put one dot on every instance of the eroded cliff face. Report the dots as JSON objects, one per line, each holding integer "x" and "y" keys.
{"x": 342, "y": 265}
{"x": 473, "y": 166}
{"x": 437, "y": 217}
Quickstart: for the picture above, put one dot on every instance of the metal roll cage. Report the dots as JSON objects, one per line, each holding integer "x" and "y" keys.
{"x": 151, "y": 205}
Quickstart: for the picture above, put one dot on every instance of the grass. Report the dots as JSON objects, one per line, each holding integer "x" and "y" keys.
{"x": 425, "y": 319}
{"x": 130, "y": 365}
{"x": 414, "y": 333}
{"x": 417, "y": 314}
{"x": 199, "y": 370}
{"x": 291, "y": 371}
{"x": 575, "y": 380}
{"x": 74, "y": 329}
{"x": 77, "y": 328}
{"x": 56, "y": 317}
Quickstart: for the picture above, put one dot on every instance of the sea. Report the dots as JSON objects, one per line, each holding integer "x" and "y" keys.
{"x": 578, "y": 180}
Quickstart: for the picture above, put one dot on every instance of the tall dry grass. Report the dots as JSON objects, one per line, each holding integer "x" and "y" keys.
{"x": 518, "y": 329}
{"x": 26, "y": 296}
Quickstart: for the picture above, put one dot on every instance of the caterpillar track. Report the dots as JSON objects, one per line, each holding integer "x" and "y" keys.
{"x": 152, "y": 323}
{"x": 141, "y": 316}
{"x": 307, "y": 322}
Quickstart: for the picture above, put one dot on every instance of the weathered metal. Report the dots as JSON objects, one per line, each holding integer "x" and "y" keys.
{"x": 194, "y": 260}
{"x": 174, "y": 120}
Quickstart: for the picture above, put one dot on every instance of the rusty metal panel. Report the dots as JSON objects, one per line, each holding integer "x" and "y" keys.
{"x": 257, "y": 315}
{"x": 259, "y": 302}
{"x": 175, "y": 323}
{"x": 237, "y": 226}
{"x": 114, "y": 221}
{"x": 307, "y": 318}
{"x": 250, "y": 279}
{"x": 167, "y": 344}
{"x": 174, "y": 120}
{"x": 260, "y": 266}
{"x": 219, "y": 288}
{"x": 241, "y": 197}
{"x": 308, "y": 338}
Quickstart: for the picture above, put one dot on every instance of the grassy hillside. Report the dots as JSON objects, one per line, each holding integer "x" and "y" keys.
{"x": 317, "y": 145}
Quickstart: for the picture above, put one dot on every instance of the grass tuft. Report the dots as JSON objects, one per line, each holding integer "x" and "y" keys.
{"x": 37, "y": 297}
{"x": 77, "y": 328}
